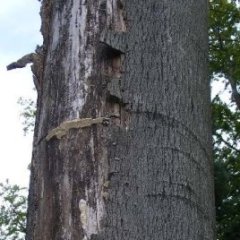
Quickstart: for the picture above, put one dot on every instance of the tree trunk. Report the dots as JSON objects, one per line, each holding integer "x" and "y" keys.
{"x": 122, "y": 146}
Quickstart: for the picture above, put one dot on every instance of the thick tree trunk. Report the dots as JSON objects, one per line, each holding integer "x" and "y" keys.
{"x": 122, "y": 146}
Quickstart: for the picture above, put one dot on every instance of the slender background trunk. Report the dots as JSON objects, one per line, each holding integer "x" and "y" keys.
{"x": 136, "y": 163}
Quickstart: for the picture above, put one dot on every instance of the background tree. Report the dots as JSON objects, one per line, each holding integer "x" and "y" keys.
{"x": 224, "y": 64}
{"x": 13, "y": 208}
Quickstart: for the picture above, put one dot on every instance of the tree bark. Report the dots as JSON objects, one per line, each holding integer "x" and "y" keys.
{"x": 122, "y": 143}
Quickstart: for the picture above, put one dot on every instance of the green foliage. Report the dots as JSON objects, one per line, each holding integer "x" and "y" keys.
{"x": 226, "y": 132}
{"x": 13, "y": 207}
{"x": 224, "y": 37}
{"x": 28, "y": 114}
{"x": 224, "y": 58}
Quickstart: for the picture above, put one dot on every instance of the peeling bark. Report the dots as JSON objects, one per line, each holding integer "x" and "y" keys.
{"x": 147, "y": 172}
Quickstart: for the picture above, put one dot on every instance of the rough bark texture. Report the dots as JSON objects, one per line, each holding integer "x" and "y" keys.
{"x": 140, "y": 167}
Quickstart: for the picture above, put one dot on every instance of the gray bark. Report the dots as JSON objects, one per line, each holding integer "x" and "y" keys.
{"x": 122, "y": 144}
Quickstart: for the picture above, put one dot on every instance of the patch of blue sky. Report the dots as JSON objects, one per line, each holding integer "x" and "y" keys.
{"x": 19, "y": 28}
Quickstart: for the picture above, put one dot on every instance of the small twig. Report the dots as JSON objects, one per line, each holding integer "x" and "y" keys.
{"x": 227, "y": 143}
{"x": 235, "y": 93}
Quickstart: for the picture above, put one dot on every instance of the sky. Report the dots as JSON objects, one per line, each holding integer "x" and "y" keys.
{"x": 19, "y": 28}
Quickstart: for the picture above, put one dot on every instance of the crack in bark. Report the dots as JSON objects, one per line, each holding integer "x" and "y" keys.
{"x": 171, "y": 121}
{"x": 188, "y": 155}
{"x": 184, "y": 199}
